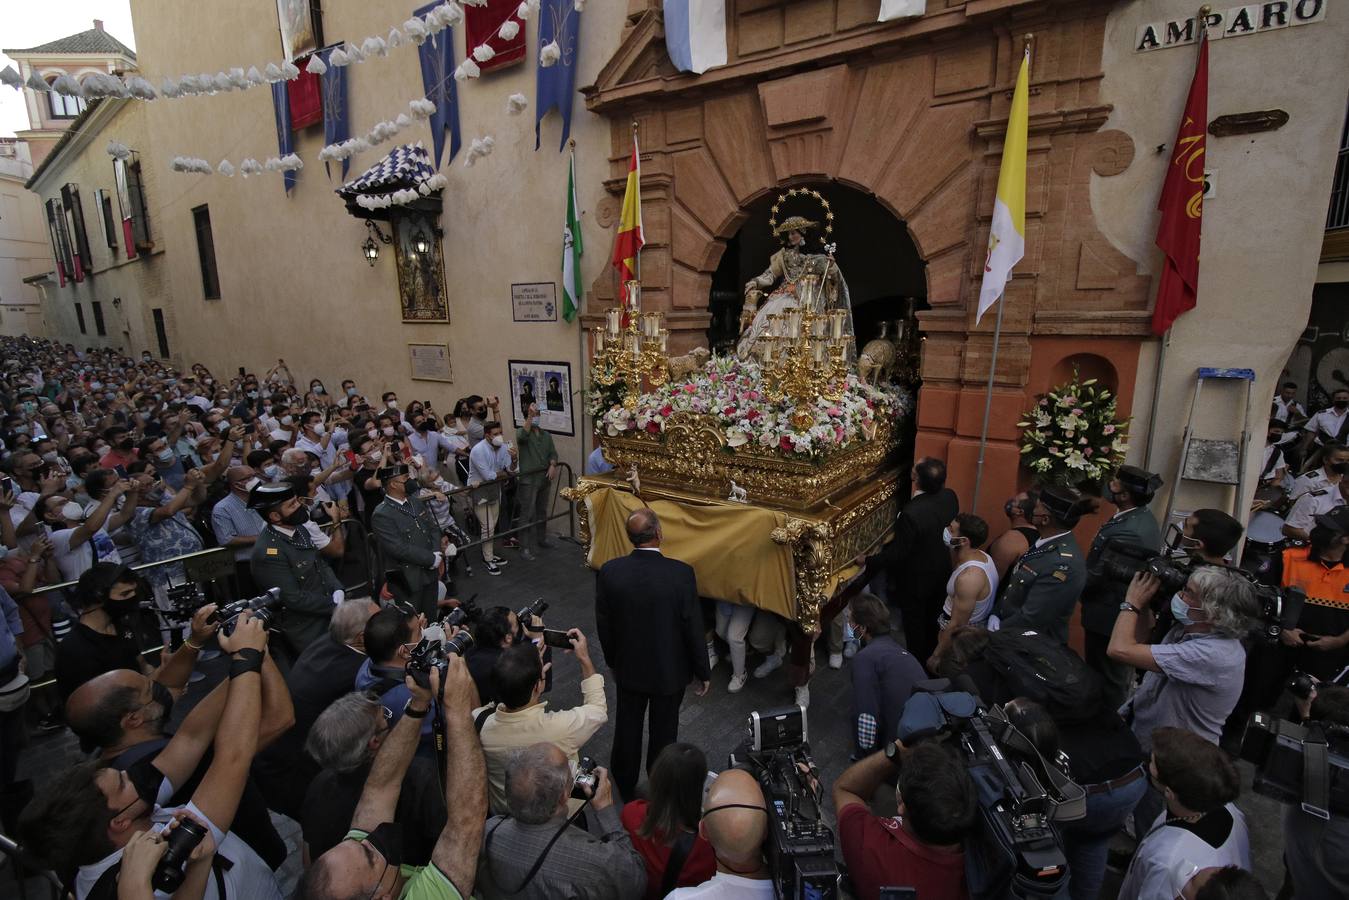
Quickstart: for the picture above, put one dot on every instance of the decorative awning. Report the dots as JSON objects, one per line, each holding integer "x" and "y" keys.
{"x": 405, "y": 177}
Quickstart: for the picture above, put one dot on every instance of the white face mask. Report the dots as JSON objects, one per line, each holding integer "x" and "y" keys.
{"x": 286, "y": 420}
{"x": 391, "y": 404}
{"x": 388, "y": 430}
{"x": 949, "y": 539}
{"x": 534, "y": 421}
{"x": 319, "y": 429}
{"x": 72, "y": 512}
{"x": 498, "y": 441}
{"x": 251, "y": 483}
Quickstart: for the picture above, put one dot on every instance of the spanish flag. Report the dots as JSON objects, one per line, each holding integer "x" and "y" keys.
{"x": 629, "y": 241}
{"x": 1007, "y": 236}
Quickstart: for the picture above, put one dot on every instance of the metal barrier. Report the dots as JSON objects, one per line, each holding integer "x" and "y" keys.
{"x": 377, "y": 552}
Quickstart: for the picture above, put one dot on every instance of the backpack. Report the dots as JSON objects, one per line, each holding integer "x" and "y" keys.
{"x": 1039, "y": 668}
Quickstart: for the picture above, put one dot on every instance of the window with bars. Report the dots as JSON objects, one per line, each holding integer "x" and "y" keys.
{"x": 161, "y": 333}
{"x": 131, "y": 204}
{"x": 79, "y": 238}
{"x": 210, "y": 278}
{"x": 56, "y": 227}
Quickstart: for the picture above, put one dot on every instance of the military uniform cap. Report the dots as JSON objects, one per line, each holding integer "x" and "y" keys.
{"x": 268, "y": 494}
{"x": 1140, "y": 481}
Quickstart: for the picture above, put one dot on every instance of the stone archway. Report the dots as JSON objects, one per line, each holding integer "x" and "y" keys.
{"x": 913, "y": 116}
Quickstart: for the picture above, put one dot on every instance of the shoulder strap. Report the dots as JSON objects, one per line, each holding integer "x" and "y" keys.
{"x": 1344, "y": 430}
{"x": 678, "y": 854}
{"x": 483, "y": 715}
{"x": 106, "y": 886}
{"x": 1274, "y": 458}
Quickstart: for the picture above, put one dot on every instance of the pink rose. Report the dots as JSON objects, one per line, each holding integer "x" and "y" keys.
{"x": 1109, "y": 429}
{"x": 690, "y": 389}
{"x": 834, "y": 411}
{"x": 1087, "y": 452}
{"x": 753, "y": 395}
{"x": 653, "y": 427}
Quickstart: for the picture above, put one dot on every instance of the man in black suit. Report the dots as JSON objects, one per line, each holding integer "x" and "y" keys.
{"x": 917, "y": 561}
{"x": 651, "y": 629}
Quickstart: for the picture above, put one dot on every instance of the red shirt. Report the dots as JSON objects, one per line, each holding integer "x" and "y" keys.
{"x": 699, "y": 865}
{"x": 880, "y": 853}
{"x": 114, "y": 458}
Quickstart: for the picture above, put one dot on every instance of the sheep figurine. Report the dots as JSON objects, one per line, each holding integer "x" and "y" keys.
{"x": 682, "y": 367}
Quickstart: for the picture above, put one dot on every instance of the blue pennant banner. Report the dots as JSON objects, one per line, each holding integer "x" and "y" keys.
{"x": 555, "y": 86}
{"x": 336, "y": 124}
{"x": 285, "y": 141}
{"x": 437, "y": 58}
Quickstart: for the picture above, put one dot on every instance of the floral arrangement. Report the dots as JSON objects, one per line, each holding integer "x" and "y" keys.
{"x": 729, "y": 390}
{"x": 1072, "y": 437}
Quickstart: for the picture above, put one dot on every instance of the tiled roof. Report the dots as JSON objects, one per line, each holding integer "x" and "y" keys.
{"x": 95, "y": 40}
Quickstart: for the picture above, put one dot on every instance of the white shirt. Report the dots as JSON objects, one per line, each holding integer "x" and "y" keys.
{"x": 1286, "y": 409}
{"x": 984, "y": 605}
{"x": 1312, "y": 504}
{"x": 1326, "y": 424}
{"x": 75, "y": 562}
{"x": 725, "y": 886}
{"x": 1169, "y": 856}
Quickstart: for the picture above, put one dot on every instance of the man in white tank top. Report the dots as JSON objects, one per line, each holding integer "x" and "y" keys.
{"x": 973, "y": 585}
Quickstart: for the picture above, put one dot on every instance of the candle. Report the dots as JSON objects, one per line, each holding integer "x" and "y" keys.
{"x": 836, "y": 323}
{"x": 634, "y": 294}
{"x": 599, "y": 340}
{"x": 664, "y": 338}
{"x": 775, "y": 325}
{"x": 794, "y": 324}
{"x": 817, "y": 351}
{"x": 611, "y": 320}
{"x": 766, "y": 350}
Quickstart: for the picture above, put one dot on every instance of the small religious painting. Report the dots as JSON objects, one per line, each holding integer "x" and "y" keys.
{"x": 421, "y": 271}
{"x": 430, "y": 362}
{"x": 547, "y": 386}
{"x": 299, "y": 34}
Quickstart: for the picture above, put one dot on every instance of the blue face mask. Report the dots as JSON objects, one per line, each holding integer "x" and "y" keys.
{"x": 1181, "y": 610}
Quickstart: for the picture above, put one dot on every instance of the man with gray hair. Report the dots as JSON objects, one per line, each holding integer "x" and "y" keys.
{"x": 344, "y": 742}
{"x": 323, "y": 672}
{"x": 535, "y": 853}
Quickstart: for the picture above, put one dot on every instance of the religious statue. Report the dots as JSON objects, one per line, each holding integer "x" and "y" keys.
{"x": 779, "y": 288}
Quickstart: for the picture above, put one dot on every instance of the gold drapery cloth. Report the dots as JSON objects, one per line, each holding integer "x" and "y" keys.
{"x": 729, "y": 546}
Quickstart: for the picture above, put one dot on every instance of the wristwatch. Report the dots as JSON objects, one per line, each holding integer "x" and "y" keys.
{"x": 892, "y": 753}
{"x": 1126, "y": 606}
{"x": 412, "y": 713}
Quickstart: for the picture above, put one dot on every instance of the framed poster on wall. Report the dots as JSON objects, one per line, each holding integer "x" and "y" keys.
{"x": 547, "y": 384}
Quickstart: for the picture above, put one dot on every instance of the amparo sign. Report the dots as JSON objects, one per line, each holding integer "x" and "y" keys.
{"x": 1234, "y": 22}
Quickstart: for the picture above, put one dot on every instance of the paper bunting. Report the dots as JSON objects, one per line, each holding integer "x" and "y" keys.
{"x": 467, "y": 69}
{"x": 226, "y": 168}
{"x": 316, "y": 66}
{"x": 196, "y": 166}
{"x": 37, "y": 83}
{"x": 516, "y": 103}
{"x": 478, "y": 149}
{"x": 10, "y": 77}
{"x": 118, "y": 150}
{"x": 483, "y": 52}
{"x": 549, "y": 54}
{"x": 508, "y": 30}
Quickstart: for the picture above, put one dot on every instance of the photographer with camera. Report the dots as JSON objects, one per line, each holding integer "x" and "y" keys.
{"x": 1046, "y": 581}
{"x": 922, "y": 846}
{"x": 1193, "y": 677}
{"x": 104, "y": 636}
{"x": 1318, "y": 643}
{"x": 368, "y": 862}
{"x": 521, "y": 719}
{"x": 284, "y": 556}
{"x": 1131, "y": 490}
{"x": 1200, "y": 828}
{"x": 533, "y": 852}
{"x": 390, "y": 637}
{"x": 493, "y": 633}
{"x": 84, "y": 821}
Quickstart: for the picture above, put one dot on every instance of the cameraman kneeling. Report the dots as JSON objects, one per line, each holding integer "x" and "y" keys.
{"x": 922, "y": 847}
{"x": 1194, "y": 676}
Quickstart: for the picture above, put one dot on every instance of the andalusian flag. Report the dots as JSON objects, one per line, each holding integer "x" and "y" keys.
{"x": 1007, "y": 237}
{"x": 629, "y": 241}
{"x": 572, "y": 248}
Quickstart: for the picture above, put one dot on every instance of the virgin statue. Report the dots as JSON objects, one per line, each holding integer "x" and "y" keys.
{"x": 784, "y": 284}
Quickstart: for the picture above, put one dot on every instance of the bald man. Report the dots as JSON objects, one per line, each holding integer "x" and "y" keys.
{"x": 651, "y": 630}
{"x": 735, "y": 823}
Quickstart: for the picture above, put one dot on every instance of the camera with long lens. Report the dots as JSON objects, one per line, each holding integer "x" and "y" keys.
{"x": 182, "y": 604}
{"x": 1121, "y": 560}
{"x": 263, "y": 607}
{"x": 171, "y": 868}
{"x": 800, "y": 846}
{"x": 1304, "y": 764}
{"x": 583, "y": 786}
{"x": 465, "y": 614}
{"x": 527, "y": 613}
{"x": 1016, "y": 851}
{"x": 434, "y": 654}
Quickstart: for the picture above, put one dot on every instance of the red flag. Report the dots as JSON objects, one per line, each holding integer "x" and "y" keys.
{"x": 482, "y": 25}
{"x": 1182, "y": 205}
{"x": 306, "y": 101}
{"x": 629, "y": 241}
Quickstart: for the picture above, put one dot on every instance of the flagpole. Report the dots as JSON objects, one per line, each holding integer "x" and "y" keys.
{"x": 993, "y": 361}
{"x": 637, "y": 261}
{"x": 581, "y": 331}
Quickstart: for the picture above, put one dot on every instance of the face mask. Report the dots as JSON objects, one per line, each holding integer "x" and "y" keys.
{"x": 947, "y": 538}
{"x": 286, "y": 420}
{"x": 351, "y": 392}
{"x": 387, "y": 840}
{"x": 317, "y": 389}
{"x": 252, "y": 395}
{"x": 96, "y": 385}
{"x": 423, "y": 426}
{"x": 374, "y": 457}
{"x": 534, "y": 421}
{"x": 319, "y": 429}
{"x": 1272, "y": 438}
{"x": 1341, "y": 404}
{"x": 50, "y": 456}
{"x": 72, "y": 511}
{"x": 498, "y": 441}
{"x": 165, "y": 456}
{"x": 297, "y": 518}
{"x": 388, "y": 430}
{"x": 1338, "y": 468}
{"x": 145, "y": 778}
{"x": 391, "y": 404}
{"x": 101, "y": 450}
{"x": 273, "y": 471}
{"x": 250, "y": 484}
{"x": 1181, "y": 610}
{"x": 125, "y": 444}
{"x": 1010, "y": 509}
{"x": 372, "y": 433}
{"x": 222, "y": 426}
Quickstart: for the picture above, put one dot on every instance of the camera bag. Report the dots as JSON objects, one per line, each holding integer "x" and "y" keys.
{"x": 1039, "y": 668}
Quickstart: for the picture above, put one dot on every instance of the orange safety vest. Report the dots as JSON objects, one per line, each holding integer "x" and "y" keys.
{"x": 1324, "y": 585}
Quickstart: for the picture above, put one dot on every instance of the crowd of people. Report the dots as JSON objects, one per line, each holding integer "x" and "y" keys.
{"x": 427, "y": 776}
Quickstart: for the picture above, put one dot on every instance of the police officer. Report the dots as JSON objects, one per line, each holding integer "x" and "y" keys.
{"x": 285, "y": 556}
{"x": 1132, "y": 489}
{"x": 413, "y": 545}
{"x": 1048, "y": 578}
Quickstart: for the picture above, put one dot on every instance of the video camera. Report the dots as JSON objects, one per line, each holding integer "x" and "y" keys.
{"x": 430, "y": 653}
{"x": 1120, "y": 560}
{"x": 1304, "y": 764}
{"x": 800, "y": 847}
{"x": 1017, "y": 852}
{"x": 183, "y": 602}
{"x": 263, "y": 607}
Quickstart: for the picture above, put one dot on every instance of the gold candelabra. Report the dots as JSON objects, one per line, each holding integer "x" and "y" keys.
{"x": 633, "y": 352}
{"x": 803, "y": 353}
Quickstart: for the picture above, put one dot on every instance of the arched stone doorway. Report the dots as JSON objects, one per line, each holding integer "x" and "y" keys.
{"x": 874, "y": 251}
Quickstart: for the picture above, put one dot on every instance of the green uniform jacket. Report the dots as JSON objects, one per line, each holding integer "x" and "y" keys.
{"x": 410, "y": 539}
{"x": 1043, "y": 586}
{"x": 307, "y": 582}
{"x": 1102, "y": 596}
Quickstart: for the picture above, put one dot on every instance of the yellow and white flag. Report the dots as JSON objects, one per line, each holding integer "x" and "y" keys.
{"x": 1007, "y": 237}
